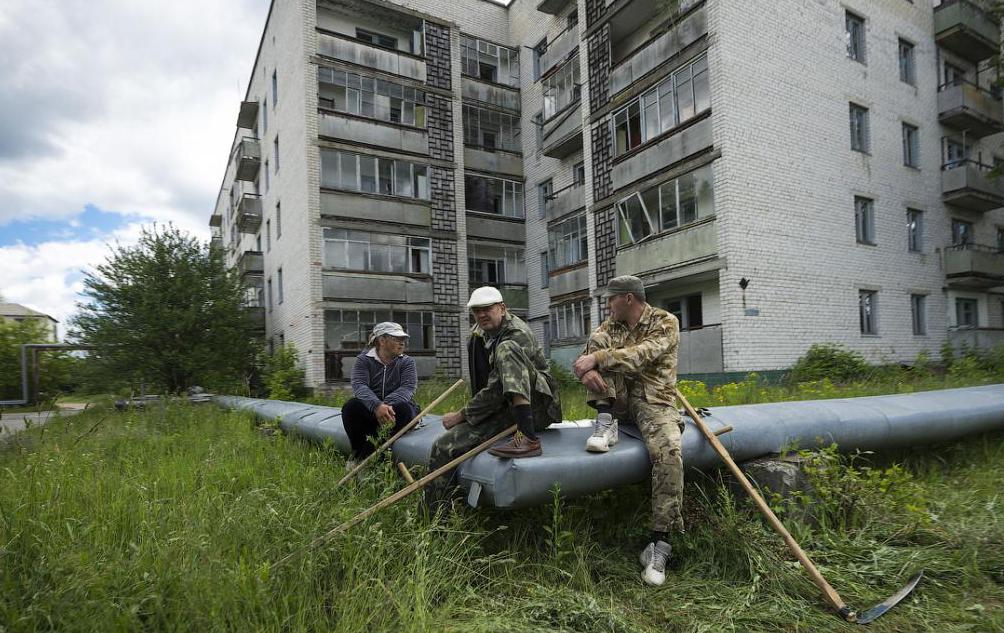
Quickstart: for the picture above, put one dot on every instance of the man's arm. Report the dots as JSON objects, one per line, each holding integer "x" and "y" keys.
{"x": 634, "y": 358}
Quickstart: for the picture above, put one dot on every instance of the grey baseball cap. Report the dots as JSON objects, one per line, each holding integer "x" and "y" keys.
{"x": 388, "y": 328}
{"x": 625, "y": 284}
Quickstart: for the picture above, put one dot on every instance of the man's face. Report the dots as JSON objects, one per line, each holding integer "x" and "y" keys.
{"x": 489, "y": 318}
{"x": 618, "y": 305}
{"x": 394, "y": 344}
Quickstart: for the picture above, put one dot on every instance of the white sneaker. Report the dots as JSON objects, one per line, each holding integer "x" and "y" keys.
{"x": 654, "y": 558}
{"x": 604, "y": 434}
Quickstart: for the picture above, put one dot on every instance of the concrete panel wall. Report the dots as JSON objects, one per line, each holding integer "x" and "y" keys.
{"x": 490, "y": 93}
{"x": 569, "y": 281}
{"x": 358, "y": 130}
{"x": 356, "y": 206}
{"x": 675, "y": 249}
{"x": 479, "y": 226}
{"x": 496, "y": 162}
{"x": 363, "y": 287}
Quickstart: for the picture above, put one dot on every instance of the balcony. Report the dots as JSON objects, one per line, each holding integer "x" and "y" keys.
{"x": 248, "y": 157}
{"x": 249, "y": 213}
{"x": 216, "y": 220}
{"x": 248, "y": 115}
{"x": 256, "y": 316}
{"x": 659, "y": 154}
{"x": 477, "y": 90}
{"x": 559, "y": 49}
{"x": 967, "y": 30}
{"x": 677, "y": 250}
{"x": 349, "y": 49}
{"x": 568, "y": 280}
{"x": 488, "y": 227}
{"x": 515, "y": 296}
{"x": 565, "y": 201}
{"x": 355, "y": 205}
{"x": 552, "y": 7}
{"x": 969, "y": 185}
{"x": 966, "y": 106}
{"x": 216, "y": 242}
{"x": 498, "y": 161}
{"x": 384, "y": 135}
{"x": 563, "y": 133}
{"x": 650, "y": 56}
{"x": 251, "y": 263}
{"x": 366, "y": 287}
{"x": 974, "y": 266}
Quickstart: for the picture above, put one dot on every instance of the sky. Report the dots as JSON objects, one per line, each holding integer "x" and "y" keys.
{"x": 114, "y": 115}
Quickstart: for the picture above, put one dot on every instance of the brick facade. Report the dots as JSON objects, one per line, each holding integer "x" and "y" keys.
{"x": 599, "y": 68}
{"x": 605, "y": 247}
{"x": 603, "y": 152}
{"x": 437, "y": 56}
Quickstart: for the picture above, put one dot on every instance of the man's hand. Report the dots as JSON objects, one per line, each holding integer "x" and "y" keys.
{"x": 583, "y": 364}
{"x": 452, "y": 419}
{"x": 385, "y": 414}
{"x": 594, "y": 382}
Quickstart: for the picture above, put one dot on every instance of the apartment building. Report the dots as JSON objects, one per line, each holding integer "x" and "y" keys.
{"x": 778, "y": 174}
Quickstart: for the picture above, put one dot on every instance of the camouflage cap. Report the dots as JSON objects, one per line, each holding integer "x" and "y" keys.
{"x": 625, "y": 284}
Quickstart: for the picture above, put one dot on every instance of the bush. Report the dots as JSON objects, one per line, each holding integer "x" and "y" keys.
{"x": 283, "y": 377}
{"x": 830, "y": 361}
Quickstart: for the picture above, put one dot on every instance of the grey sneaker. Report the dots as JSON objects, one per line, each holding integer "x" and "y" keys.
{"x": 654, "y": 558}
{"x": 604, "y": 434}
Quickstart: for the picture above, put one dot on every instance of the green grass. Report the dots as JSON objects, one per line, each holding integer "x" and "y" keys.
{"x": 169, "y": 520}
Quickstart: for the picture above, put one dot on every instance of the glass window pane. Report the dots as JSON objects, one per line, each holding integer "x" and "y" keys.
{"x": 668, "y": 207}
{"x": 356, "y": 256}
{"x": 402, "y": 181}
{"x": 367, "y": 174}
{"x": 347, "y": 179}
{"x": 386, "y": 181}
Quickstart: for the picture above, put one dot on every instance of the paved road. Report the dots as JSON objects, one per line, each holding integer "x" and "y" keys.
{"x": 14, "y": 422}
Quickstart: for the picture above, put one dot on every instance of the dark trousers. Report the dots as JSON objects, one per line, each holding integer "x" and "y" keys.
{"x": 360, "y": 424}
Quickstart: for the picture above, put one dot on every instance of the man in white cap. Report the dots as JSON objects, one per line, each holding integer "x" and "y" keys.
{"x": 510, "y": 382}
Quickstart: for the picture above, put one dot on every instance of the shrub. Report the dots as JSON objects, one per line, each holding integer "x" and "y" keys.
{"x": 831, "y": 361}
{"x": 283, "y": 377}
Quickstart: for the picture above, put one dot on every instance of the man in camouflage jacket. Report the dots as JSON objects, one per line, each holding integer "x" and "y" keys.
{"x": 629, "y": 370}
{"x": 510, "y": 382}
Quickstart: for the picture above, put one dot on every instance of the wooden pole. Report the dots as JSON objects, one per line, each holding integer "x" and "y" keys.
{"x": 829, "y": 592}
{"x": 397, "y": 435}
{"x": 397, "y": 496}
{"x": 405, "y": 473}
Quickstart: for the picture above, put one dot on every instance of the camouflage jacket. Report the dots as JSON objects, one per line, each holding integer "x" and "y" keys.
{"x": 514, "y": 359}
{"x": 645, "y": 353}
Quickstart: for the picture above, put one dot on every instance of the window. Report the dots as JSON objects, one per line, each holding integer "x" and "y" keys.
{"x": 962, "y": 233}
{"x": 493, "y": 195}
{"x": 279, "y": 285}
{"x": 918, "y": 311}
{"x": 859, "y": 128}
{"x": 377, "y": 39}
{"x": 677, "y": 99}
{"x": 672, "y": 204}
{"x": 855, "y": 25}
{"x": 544, "y": 191}
{"x": 257, "y": 242}
{"x": 911, "y": 146}
{"x": 278, "y": 221}
{"x": 561, "y": 88}
{"x": 868, "y": 311}
{"x": 264, "y": 116}
{"x": 268, "y": 235}
{"x": 269, "y": 294}
{"x": 350, "y": 329}
{"x": 377, "y": 252}
{"x": 915, "y": 230}
{"x": 275, "y": 150}
{"x": 864, "y": 220}
{"x": 966, "y": 315}
{"x": 488, "y": 61}
{"x": 570, "y": 320}
{"x": 579, "y": 174}
{"x": 538, "y": 123}
{"x": 567, "y": 242}
{"x": 374, "y": 98}
{"x": 493, "y": 265}
{"x": 491, "y": 130}
{"x": 688, "y": 311}
{"x": 1000, "y": 239}
{"x": 544, "y": 270}
{"x": 954, "y": 75}
{"x": 357, "y": 172}
{"x": 267, "y": 177}
{"x": 955, "y": 153}
{"x": 275, "y": 89}
{"x": 907, "y": 70}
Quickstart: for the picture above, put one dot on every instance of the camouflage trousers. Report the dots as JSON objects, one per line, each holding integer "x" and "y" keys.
{"x": 455, "y": 443}
{"x": 661, "y": 427}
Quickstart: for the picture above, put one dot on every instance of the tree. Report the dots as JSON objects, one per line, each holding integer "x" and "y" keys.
{"x": 53, "y": 367}
{"x": 167, "y": 312}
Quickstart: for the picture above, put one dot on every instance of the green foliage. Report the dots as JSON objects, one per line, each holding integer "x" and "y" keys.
{"x": 54, "y": 367}
{"x": 830, "y": 361}
{"x": 166, "y": 312}
{"x": 283, "y": 377}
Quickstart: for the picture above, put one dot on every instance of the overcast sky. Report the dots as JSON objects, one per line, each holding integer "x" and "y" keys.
{"x": 113, "y": 114}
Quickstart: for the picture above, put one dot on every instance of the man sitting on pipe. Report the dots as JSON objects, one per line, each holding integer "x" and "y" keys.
{"x": 629, "y": 370}
{"x": 510, "y": 382}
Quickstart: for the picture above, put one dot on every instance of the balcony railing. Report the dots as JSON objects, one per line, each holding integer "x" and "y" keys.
{"x": 964, "y": 105}
{"x": 552, "y": 7}
{"x": 256, "y": 315}
{"x": 563, "y": 133}
{"x": 515, "y": 296}
{"x": 248, "y": 115}
{"x": 564, "y": 201}
{"x": 216, "y": 220}
{"x": 657, "y": 51}
{"x": 966, "y": 29}
{"x": 350, "y": 49}
{"x": 248, "y": 157}
{"x": 249, "y": 213}
{"x": 971, "y": 185}
{"x": 974, "y": 265}
{"x": 558, "y": 49}
{"x": 682, "y": 247}
{"x": 251, "y": 263}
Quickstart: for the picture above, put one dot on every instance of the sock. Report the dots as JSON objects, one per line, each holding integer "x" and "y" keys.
{"x": 603, "y": 406}
{"x": 524, "y": 420}
{"x": 660, "y": 536}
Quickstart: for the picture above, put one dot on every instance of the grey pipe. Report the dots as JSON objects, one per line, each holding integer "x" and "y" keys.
{"x": 870, "y": 423}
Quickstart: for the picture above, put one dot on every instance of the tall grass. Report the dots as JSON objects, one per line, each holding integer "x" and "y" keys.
{"x": 169, "y": 520}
